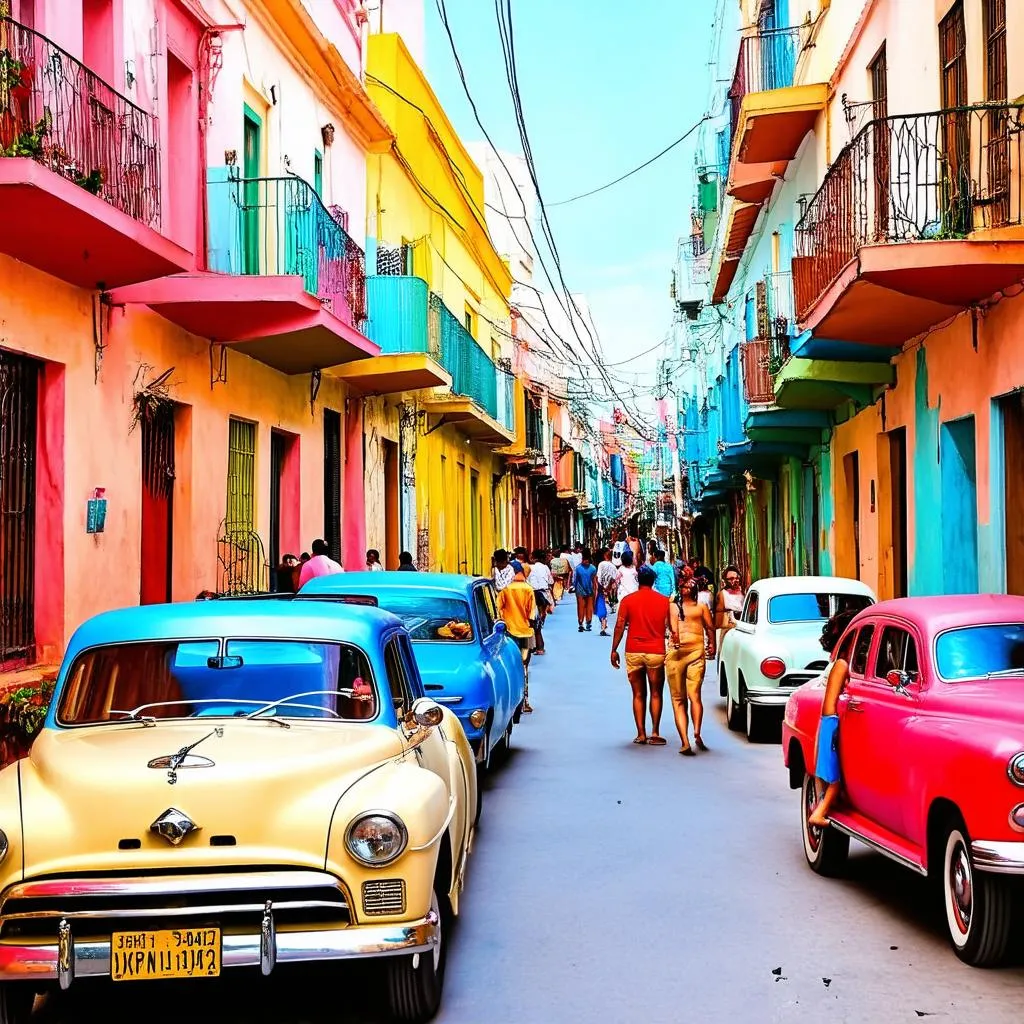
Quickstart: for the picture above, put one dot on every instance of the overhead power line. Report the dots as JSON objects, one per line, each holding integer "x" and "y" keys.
{"x": 647, "y": 163}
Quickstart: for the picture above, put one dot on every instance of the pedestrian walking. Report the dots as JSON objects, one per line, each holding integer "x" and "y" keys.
{"x": 691, "y": 640}
{"x": 405, "y": 563}
{"x": 501, "y": 571}
{"x": 373, "y": 561}
{"x": 664, "y": 577}
{"x": 540, "y": 579}
{"x": 585, "y": 584}
{"x": 643, "y": 618}
{"x": 559, "y": 566}
{"x": 636, "y": 548}
{"x": 517, "y": 607}
{"x": 626, "y": 579}
{"x": 729, "y": 602}
{"x": 607, "y": 576}
{"x": 321, "y": 563}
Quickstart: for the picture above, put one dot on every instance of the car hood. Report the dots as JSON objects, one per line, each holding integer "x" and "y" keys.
{"x": 88, "y": 798}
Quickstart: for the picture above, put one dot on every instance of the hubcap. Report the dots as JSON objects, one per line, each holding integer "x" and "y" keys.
{"x": 812, "y": 831}
{"x": 961, "y": 888}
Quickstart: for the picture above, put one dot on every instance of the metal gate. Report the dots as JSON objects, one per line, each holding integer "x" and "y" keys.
{"x": 19, "y": 382}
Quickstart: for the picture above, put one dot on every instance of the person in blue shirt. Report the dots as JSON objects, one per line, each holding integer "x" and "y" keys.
{"x": 583, "y": 579}
{"x": 664, "y": 575}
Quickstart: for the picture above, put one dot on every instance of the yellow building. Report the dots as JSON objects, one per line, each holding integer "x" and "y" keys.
{"x": 440, "y": 401}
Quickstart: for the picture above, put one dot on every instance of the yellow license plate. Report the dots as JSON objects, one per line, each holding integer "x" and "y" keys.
{"x": 175, "y": 953}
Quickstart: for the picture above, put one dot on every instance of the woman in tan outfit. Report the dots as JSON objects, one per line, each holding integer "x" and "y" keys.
{"x": 692, "y": 637}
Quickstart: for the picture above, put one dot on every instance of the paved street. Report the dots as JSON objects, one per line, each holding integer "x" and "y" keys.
{"x": 618, "y": 884}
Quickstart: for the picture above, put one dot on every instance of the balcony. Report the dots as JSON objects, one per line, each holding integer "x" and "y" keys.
{"x": 79, "y": 170}
{"x": 828, "y": 384}
{"x": 917, "y": 219}
{"x": 762, "y": 358}
{"x": 286, "y": 284}
{"x": 400, "y": 324}
{"x": 739, "y": 228}
{"x": 473, "y": 401}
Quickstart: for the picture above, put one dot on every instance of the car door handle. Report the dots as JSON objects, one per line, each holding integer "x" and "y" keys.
{"x": 855, "y": 705}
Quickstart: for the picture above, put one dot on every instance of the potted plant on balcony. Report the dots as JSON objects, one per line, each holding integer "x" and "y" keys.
{"x": 16, "y": 79}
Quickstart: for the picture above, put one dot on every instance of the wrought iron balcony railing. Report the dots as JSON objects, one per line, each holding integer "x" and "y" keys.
{"x": 916, "y": 177}
{"x": 767, "y": 60}
{"x": 401, "y": 315}
{"x": 506, "y": 389}
{"x": 55, "y": 111}
{"x": 762, "y": 358}
{"x": 269, "y": 226}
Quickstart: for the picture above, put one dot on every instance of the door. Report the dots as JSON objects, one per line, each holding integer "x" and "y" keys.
{"x": 959, "y": 506}
{"x": 332, "y": 482}
{"x": 252, "y": 138}
{"x": 157, "y": 505}
{"x": 876, "y": 717}
{"x": 182, "y": 151}
{"x": 391, "y": 504}
{"x": 461, "y": 564}
{"x": 278, "y": 452}
{"x": 898, "y": 508}
{"x": 474, "y": 517}
{"x": 879, "y": 71}
{"x": 1011, "y": 413}
{"x": 849, "y": 562}
{"x": 19, "y": 388}
{"x": 854, "y": 742}
{"x": 955, "y": 160}
{"x": 492, "y": 650}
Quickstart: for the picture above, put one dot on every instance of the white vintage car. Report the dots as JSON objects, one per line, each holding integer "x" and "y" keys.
{"x": 775, "y": 645}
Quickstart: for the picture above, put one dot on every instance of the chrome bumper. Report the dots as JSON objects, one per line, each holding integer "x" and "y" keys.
{"x": 67, "y": 960}
{"x": 776, "y": 698}
{"x": 998, "y": 858}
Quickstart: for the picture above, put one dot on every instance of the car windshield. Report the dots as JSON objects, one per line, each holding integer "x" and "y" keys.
{"x": 428, "y": 617}
{"x": 977, "y": 651}
{"x": 815, "y": 607}
{"x": 165, "y": 679}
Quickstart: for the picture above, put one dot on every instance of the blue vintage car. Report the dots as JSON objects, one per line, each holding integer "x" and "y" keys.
{"x": 231, "y": 784}
{"x": 480, "y": 677}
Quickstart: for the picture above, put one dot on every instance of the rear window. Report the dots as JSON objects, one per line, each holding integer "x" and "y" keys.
{"x": 978, "y": 651}
{"x": 813, "y": 607}
{"x": 428, "y": 617}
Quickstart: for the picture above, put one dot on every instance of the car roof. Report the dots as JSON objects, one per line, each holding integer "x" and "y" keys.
{"x": 772, "y": 585}
{"x": 374, "y": 582}
{"x": 935, "y": 614}
{"x": 252, "y": 619}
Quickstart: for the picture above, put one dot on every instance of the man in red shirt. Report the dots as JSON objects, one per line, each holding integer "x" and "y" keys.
{"x": 645, "y": 616}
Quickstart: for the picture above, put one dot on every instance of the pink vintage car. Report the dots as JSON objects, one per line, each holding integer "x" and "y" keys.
{"x": 931, "y": 747}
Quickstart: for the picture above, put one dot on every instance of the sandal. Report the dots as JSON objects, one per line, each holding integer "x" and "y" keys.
{"x": 701, "y": 745}
{"x": 656, "y": 741}
{"x": 641, "y": 740}
{"x": 687, "y": 752}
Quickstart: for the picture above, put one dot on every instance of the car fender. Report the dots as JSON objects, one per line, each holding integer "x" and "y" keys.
{"x": 421, "y": 800}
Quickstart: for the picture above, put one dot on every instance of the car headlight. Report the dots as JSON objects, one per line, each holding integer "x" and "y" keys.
{"x": 376, "y": 838}
{"x": 477, "y": 718}
{"x": 1015, "y": 769}
{"x": 4, "y": 844}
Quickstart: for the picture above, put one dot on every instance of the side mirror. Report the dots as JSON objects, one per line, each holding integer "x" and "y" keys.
{"x": 897, "y": 679}
{"x": 500, "y": 629}
{"x": 424, "y": 714}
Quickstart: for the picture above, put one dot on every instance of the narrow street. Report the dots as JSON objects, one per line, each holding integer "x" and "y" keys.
{"x": 612, "y": 883}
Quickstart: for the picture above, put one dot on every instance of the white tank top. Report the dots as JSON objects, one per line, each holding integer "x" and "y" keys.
{"x": 733, "y": 604}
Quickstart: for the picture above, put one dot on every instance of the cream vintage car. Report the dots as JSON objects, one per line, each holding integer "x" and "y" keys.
{"x": 235, "y": 783}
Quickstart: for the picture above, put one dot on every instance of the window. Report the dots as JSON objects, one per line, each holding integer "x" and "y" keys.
{"x": 484, "y": 611}
{"x": 428, "y": 617}
{"x": 394, "y": 663}
{"x": 812, "y": 607}
{"x": 318, "y": 173}
{"x": 978, "y": 651}
{"x": 859, "y": 662}
{"x": 218, "y": 679}
{"x": 749, "y": 613}
{"x": 241, "y": 476}
{"x": 845, "y": 646}
{"x": 898, "y": 651}
{"x": 469, "y": 319}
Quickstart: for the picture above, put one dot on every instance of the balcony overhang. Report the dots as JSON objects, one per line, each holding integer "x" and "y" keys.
{"x": 787, "y": 426}
{"x": 476, "y": 424}
{"x": 740, "y": 226}
{"x": 809, "y": 346}
{"x": 759, "y": 454}
{"x": 753, "y": 183}
{"x": 891, "y": 293}
{"x": 271, "y": 319}
{"x": 772, "y": 124}
{"x": 394, "y": 373}
{"x": 56, "y": 226}
{"x": 827, "y": 384}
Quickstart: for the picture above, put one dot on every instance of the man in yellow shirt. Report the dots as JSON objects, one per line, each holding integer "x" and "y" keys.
{"x": 517, "y": 607}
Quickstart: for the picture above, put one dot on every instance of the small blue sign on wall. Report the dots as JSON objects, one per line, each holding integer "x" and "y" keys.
{"x": 96, "y": 512}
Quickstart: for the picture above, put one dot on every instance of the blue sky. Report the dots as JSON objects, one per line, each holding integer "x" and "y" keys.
{"x": 605, "y": 85}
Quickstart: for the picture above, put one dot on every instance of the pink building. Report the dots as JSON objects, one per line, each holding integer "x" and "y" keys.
{"x": 182, "y": 285}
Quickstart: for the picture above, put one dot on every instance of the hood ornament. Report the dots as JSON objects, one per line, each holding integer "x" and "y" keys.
{"x": 184, "y": 758}
{"x": 174, "y": 826}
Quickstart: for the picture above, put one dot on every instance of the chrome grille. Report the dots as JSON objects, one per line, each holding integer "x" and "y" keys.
{"x": 384, "y": 896}
{"x": 233, "y": 901}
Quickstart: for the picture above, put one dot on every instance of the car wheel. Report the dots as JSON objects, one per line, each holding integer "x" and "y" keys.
{"x": 723, "y": 683}
{"x": 479, "y": 801}
{"x": 978, "y": 905}
{"x": 415, "y": 983}
{"x": 734, "y": 711}
{"x": 16, "y": 1001}
{"x": 826, "y": 849}
{"x": 518, "y": 713}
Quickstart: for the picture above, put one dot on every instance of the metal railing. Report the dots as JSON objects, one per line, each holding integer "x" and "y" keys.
{"x": 401, "y": 307}
{"x": 761, "y": 360}
{"x": 767, "y": 60}
{"x": 506, "y": 388}
{"x": 472, "y": 370}
{"x": 55, "y": 111}
{"x": 268, "y": 226}
{"x": 916, "y": 177}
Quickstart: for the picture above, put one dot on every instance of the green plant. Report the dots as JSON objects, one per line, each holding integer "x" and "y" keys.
{"x": 91, "y": 182}
{"x": 26, "y": 707}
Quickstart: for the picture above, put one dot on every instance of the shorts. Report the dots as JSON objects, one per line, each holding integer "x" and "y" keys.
{"x": 600, "y": 607}
{"x": 827, "y": 767}
{"x": 646, "y": 665}
{"x": 543, "y": 598}
{"x": 685, "y": 667}
{"x": 526, "y": 643}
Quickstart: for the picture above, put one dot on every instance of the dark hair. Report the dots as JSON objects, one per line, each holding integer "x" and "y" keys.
{"x": 374, "y": 552}
{"x": 500, "y": 556}
{"x": 319, "y": 547}
{"x": 405, "y": 558}
{"x": 538, "y": 554}
{"x": 659, "y": 555}
{"x": 646, "y": 576}
{"x": 836, "y": 627}
{"x": 627, "y": 558}
{"x": 689, "y": 588}
{"x": 304, "y": 557}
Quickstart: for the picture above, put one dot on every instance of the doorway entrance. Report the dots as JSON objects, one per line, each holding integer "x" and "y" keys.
{"x": 252, "y": 140}
{"x": 1011, "y": 414}
{"x": 898, "y": 508}
{"x": 959, "y": 482}
{"x": 851, "y": 475}
{"x": 157, "y": 504}
{"x": 392, "y": 504}
{"x": 19, "y": 391}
